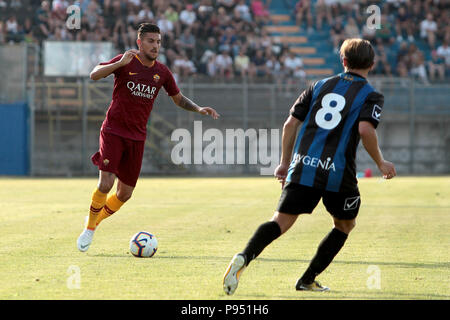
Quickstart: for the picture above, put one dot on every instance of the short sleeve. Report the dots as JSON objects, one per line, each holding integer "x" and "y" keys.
{"x": 301, "y": 106}
{"x": 371, "y": 109}
{"x": 170, "y": 84}
{"x": 115, "y": 59}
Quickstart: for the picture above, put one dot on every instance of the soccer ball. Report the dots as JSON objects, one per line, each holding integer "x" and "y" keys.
{"x": 143, "y": 244}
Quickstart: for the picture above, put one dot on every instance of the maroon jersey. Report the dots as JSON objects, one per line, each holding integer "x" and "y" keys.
{"x": 135, "y": 89}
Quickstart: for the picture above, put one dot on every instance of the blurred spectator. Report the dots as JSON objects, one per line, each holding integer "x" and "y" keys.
{"x": 2, "y": 32}
{"x": 187, "y": 43}
{"x": 134, "y": 5}
{"x": 242, "y": 64}
{"x": 385, "y": 32}
{"x": 402, "y": 60}
{"x": 436, "y": 66}
{"x": 244, "y": 10}
{"x": 351, "y": 30}
{"x": 275, "y": 70}
{"x": 59, "y": 8}
{"x": 227, "y": 40}
{"x": 183, "y": 66}
{"x": 223, "y": 19}
{"x": 303, "y": 13}
{"x": 322, "y": 14}
{"x": 381, "y": 65}
{"x": 43, "y": 21}
{"x": 260, "y": 12}
{"x": 167, "y": 30}
{"x": 92, "y": 14}
{"x": 28, "y": 30}
{"x": 294, "y": 72}
{"x": 417, "y": 62}
{"x": 404, "y": 25}
{"x": 428, "y": 29}
{"x": 369, "y": 33}
{"x": 12, "y": 29}
{"x": 337, "y": 34}
{"x": 172, "y": 15}
{"x": 145, "y": 14}
{"x": 293, "y": 65}
{"x": 15, "y": 4}
{"x": 131, "y": 36}
{"x": 211, "y": 66}
{"x": 227, "y": 4}
{"x": 224, "y": 65}
{"x": 443, "y": 51}
{"x": 258, "y": 65}
{"x": 187, "y": 16}
{"x": 443, "y": 22}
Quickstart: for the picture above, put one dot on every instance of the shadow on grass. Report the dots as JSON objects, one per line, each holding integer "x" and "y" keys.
{"x": 426, "y": 265}
{"x": 431, "y": 265}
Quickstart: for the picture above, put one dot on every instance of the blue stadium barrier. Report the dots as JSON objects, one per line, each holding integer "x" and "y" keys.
{"x": 14, "y": 139}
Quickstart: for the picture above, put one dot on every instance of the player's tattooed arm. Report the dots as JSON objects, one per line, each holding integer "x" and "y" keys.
{"x": 187, "y": 104}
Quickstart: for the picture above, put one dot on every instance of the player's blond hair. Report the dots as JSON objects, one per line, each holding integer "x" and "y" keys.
{"x": 359, "y": 54}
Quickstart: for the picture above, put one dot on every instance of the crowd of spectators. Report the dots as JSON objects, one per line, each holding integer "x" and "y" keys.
{"x": 226, "y": 39}
{"x": 411, "y": 39}
{"x": 221, "y": 39}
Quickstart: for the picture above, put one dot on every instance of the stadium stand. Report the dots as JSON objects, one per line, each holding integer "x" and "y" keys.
{"x": 205, "y": 37}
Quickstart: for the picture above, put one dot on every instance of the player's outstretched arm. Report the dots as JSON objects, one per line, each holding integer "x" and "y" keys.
{"x": 102, "y": 71}
{"x": 369, "y": 139}
{"x": 180, "y": 100}
{"x": 287, "y": 146}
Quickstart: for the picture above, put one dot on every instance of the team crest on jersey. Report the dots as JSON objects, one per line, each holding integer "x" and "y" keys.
{"x": 156, "y": 77}
{"x": 348, "y": 77}
{"x": 376, "y": 113}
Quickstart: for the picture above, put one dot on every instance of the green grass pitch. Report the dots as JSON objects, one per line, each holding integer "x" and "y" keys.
{"x": 400, "y": 248}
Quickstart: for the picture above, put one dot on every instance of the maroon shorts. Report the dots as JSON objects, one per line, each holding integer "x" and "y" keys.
{"x": 120, "y": 156}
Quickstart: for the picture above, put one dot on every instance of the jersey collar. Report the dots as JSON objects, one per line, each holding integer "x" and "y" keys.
{"x": 137, "y": 57}
{"x": 351, "y": 76}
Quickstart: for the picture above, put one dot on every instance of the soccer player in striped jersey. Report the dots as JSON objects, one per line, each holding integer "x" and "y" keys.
{"x": 318, "y": 161}
{"x": 138, "y": 77}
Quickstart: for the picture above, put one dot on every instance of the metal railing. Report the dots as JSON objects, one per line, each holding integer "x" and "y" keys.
{"x": 67, "y": 117}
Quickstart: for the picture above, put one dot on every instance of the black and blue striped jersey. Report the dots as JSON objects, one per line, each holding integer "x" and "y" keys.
{"x": 325, "y": 149}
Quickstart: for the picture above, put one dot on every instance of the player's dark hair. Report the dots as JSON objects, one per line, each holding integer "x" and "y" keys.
{"x": 359, "y": 53}
{"x": 147, "y": 28}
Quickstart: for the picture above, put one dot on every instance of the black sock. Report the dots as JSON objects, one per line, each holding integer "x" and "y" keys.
{"x": 327, "y": 250}
{"x": 263, "y": 236}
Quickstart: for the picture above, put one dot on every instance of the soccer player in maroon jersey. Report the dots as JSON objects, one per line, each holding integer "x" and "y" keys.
{"x": 138, "y": 77}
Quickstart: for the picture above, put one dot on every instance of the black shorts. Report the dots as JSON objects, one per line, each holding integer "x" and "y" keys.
{"x": 297, "y": 199}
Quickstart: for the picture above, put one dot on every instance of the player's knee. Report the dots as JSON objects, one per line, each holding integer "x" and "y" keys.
{"x": 105, "y": 186}
{"x": 345, "y": 226}
{"x": 285, "y": 221}
{"x": 106, "y": 181}
{"x": 124, "y": 196}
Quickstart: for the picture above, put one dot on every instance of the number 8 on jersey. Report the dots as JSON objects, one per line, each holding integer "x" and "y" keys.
{"x": 329, "y": 116}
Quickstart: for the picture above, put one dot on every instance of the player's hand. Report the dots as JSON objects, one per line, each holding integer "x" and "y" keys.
{"x": 128, "y": 56}
{"x": 387, "y": 169}
{"x": 209, "y": 111}
{"x": 281, "y": 173}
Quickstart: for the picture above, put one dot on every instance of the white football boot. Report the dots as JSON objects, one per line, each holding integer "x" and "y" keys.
{"x": 85, "y": 238}
{"x": 233, "y": 273}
